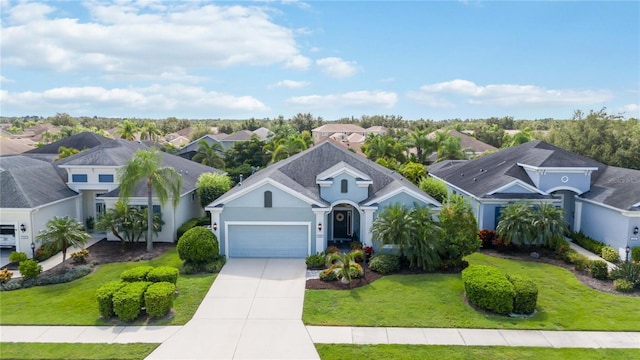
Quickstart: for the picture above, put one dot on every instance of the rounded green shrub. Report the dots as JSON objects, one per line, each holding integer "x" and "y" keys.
{"x": 635, "y": 253}
{"x": 215, "y": 265}
{"x": 127, "y": 302}
{"x": 623, "y": 285}
{"x": 163, "y": 273}
{"x": 158, "y": 299}
{"x": 315, "y": 261}
{"x": 385, "y": 263}
{"x": 526, "y": 294}
{"x": 487, "y": 288}
{"x": 599, "y": 269}
{"x": 198, "y": 245}
{"x": 104, "y": 295}
{"x": 579, "y": 261}
{"x": 355, "y": 271}
{"x": 29, "y": 269}
{"x": 138, "y": 273}
{"x": 610, "y": 254}
{"x": 17, "y": 257}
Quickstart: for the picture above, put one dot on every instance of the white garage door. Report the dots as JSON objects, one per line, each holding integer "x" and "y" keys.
{"x": 268, "y": 240}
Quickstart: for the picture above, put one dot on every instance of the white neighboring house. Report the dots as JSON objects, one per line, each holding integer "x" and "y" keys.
{"x": 85, "y": 185}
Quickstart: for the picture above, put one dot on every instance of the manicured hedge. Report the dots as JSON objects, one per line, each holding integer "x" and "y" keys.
{"x": 487, "y": 288}
{"x": 587, "y": 243}
{"x": 127, "y": 302}
{"x": 385, "y": 263}
{"x": 526, "y": 295}
{"x": 610, "y": 254}
{"x": 599, "y": 269}
{"x": 104, "y": 294}
{"x": 158, "y": 298}
{"x": 163, "y": 273}
{"x": 138, "y": 273}
{"x": 635, "y": 253}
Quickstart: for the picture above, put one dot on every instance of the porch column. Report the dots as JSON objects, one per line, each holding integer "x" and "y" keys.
{"x": 365, "y": 225}
{"x": 320, "y": 228}
{"x": 577, "y": 216}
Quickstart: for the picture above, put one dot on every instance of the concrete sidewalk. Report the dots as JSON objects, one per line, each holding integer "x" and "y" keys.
{"x": 591, "y": 256}
{"x": 56, "y": 259}
{"x": 87, "y": 334}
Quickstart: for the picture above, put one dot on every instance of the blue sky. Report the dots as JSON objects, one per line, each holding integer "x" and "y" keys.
{"x": 418, "y": 59}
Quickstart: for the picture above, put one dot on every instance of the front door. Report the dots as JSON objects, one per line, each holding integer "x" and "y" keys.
{"x": 341, "y": 224}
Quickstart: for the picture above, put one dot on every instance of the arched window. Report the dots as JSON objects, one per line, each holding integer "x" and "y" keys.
{"x": 344, "y": 186}
{"x": 268, "y": 199}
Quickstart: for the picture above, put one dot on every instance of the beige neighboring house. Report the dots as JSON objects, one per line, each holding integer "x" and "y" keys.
{"x": 376, "y": 130}
{"x": 328, "y": 130}
{"x": 15, "y": 146}
{"x": 179, "y": 141}
{"x": 471, "y": 146}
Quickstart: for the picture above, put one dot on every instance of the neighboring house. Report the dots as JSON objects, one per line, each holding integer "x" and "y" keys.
{"x": 470, "y": 145}
{"x": 82, "y": 141}
{"x": 376, "y": 130}
{"x": 191, "y": 149}
{"x": 94, "y": 174}
{"x": 226, "y": 141}
{"x": 323, "y": 132}
{"x": 229, "y": 140}
{"x": 263, "y": 133}
{"x": 601, "y": 201}
{"x": 15, "y": 146}
{"x": 296, "y": 206}
{"x": 32, "y": 192}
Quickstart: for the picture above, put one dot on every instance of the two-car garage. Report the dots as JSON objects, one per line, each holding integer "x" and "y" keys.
{"x": 267, "y": 239}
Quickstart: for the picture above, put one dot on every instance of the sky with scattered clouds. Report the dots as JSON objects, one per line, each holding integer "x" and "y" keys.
{"x": 334, "y": 59}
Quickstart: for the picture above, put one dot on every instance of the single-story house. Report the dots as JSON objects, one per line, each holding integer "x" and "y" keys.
{"x": 297, "y": 206}
{"x": 323, "y": 132}
{"x": 32, "y": 191}
{"x": 601, "y": 201}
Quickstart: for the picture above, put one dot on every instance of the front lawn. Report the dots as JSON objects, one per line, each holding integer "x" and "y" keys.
{"x": 75, "y": 303}
{"x": 436, "y": 300}
{"x": 75, "y": 351}
{"x": 410, "y": 352}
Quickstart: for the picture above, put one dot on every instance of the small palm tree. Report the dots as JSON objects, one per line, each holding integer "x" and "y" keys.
{"x": 550, "y": 224}
{"x": 62, "y": 233}
{"x": 515, "y": 225}
{"x": 209, "y": 154}
{"x": 395, "y": 225}
{"x": 165, "y": 182}
{"x": 424, "y": 146}
{"x": 345, "y": 265}
{"x": 149, "y": 130}
{"x": 290, "y": 145}
{"x": 127, "y": 130}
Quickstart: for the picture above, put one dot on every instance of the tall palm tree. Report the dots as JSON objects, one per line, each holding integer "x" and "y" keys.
{"x": 164, "y": 181}
{"x": 127, "y": 130}
{"x": 61, "y": 233}
{"x": 209, "y": 154}
{"x": 424, "y": 146}
{"x": 290, "y": 145}
{"x": 149, "y": 130}
{"x": 515, "y": 225}
{"x": 550, "y": 224}
{"x": 450, "y": 149}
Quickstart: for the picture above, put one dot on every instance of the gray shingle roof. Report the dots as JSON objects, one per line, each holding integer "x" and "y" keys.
{"x": 29, "y": 183}
{"x": 299, "y": 172}
{"x": 80, "y": 141}
{"x": 617, "y": 187}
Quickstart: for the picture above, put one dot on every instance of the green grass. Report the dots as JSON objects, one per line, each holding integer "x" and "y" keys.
{"x": 407, "y": 352}
{"x": 74, "y": 303}
{"x": 74, "y": 351}
{"x": 436, "y": 300}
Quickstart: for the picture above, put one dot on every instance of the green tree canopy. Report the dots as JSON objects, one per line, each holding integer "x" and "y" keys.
{"x": 209, "y": 154}
{"x": 211, "y": 186}
{"x": 434, "y": 187}
{"x": 459, "y": 228}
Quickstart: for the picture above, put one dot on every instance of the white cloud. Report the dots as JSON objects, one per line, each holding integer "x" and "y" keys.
{"x": 630, "y": 111}
{"x": 174, "y": 97}
{"x": 382, "y": 99}
{"x": 147, "y": 37}
{"x": 508, "y": 95}
{"x": 4, "y": 79}
{"x": 336, "y": 67}
{"x": 290, "y": 84}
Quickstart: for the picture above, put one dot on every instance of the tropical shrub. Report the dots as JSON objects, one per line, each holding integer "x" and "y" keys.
{"x": 5, "y": 276}
{"x": 342, "y": 265}
{"x": 610, "y": 254}
{"x": 434, "y": 187}
{"x": 43, "y": 254}
{"x": 61, "y": 233}
{"x": 138, "y": 273}
{"x": 587, "y": 242}
{"x": 579, "y": 261}
{"x": 211, "y": 185}
{"x": 198, "y": 245}
{"x": 315, "y": 261}
{"x": 515, "y": 225}
{"x": 331, "y": 250}
{"x": 635, "y": 253}
{"x": 163, "y": 274}
{"x": 562, "y": 249}
{"x": 623, "y": 285}
{"x": 17, "y": 257}
{"x": 80, "y": 257}
{"x": 385, "y": 263}
{"x": 599, "y": 269}
{"x": 329, "y": 274}
{"x": 355, "y": 271}
{"x": 526, "y": 294}
{"x": 627, "y": 270}
{"x": 486, "y": 238}
{"x": 459, "y": 229}
{"x": 357, "y": 255}
{"x": 127, "y": 302}
{"x": 356, "y": 245}
{"x": 487, "y": 288}
{"x": 158, "y": 298}
{"x": 104, "y": 295}
{"x": 29, "y": 269}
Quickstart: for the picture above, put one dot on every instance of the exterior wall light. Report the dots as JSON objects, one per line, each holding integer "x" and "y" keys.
{"x": 23, "y": 228}
{"x": 635, "y": 230}
{"x": 215, "y": 226}
{"x": 319, "y": 226}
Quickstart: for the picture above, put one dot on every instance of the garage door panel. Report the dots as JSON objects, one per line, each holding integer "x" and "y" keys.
{"x": 289, "y": 241}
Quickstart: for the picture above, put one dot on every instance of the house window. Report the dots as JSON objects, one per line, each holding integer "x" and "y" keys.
{"x": 156, "y": 208}
{"x": 268, "y": 199}
{"x": 344, "y": 186}
{"x": 79, "y": 178}
{"x": 105, "y": 178}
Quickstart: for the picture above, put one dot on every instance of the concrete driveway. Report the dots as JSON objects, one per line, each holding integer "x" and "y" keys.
{"x": 252, "y": 311}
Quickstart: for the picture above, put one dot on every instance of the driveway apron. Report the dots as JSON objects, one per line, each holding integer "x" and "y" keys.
{"x": 252, "y": 311}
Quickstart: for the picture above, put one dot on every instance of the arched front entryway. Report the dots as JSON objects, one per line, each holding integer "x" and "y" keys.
{"x": 567, "y": 202}
{"x": 344, "y": 223}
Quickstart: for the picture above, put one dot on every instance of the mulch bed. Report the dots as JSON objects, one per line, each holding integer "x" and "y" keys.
{"x": 368, "y": 277}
